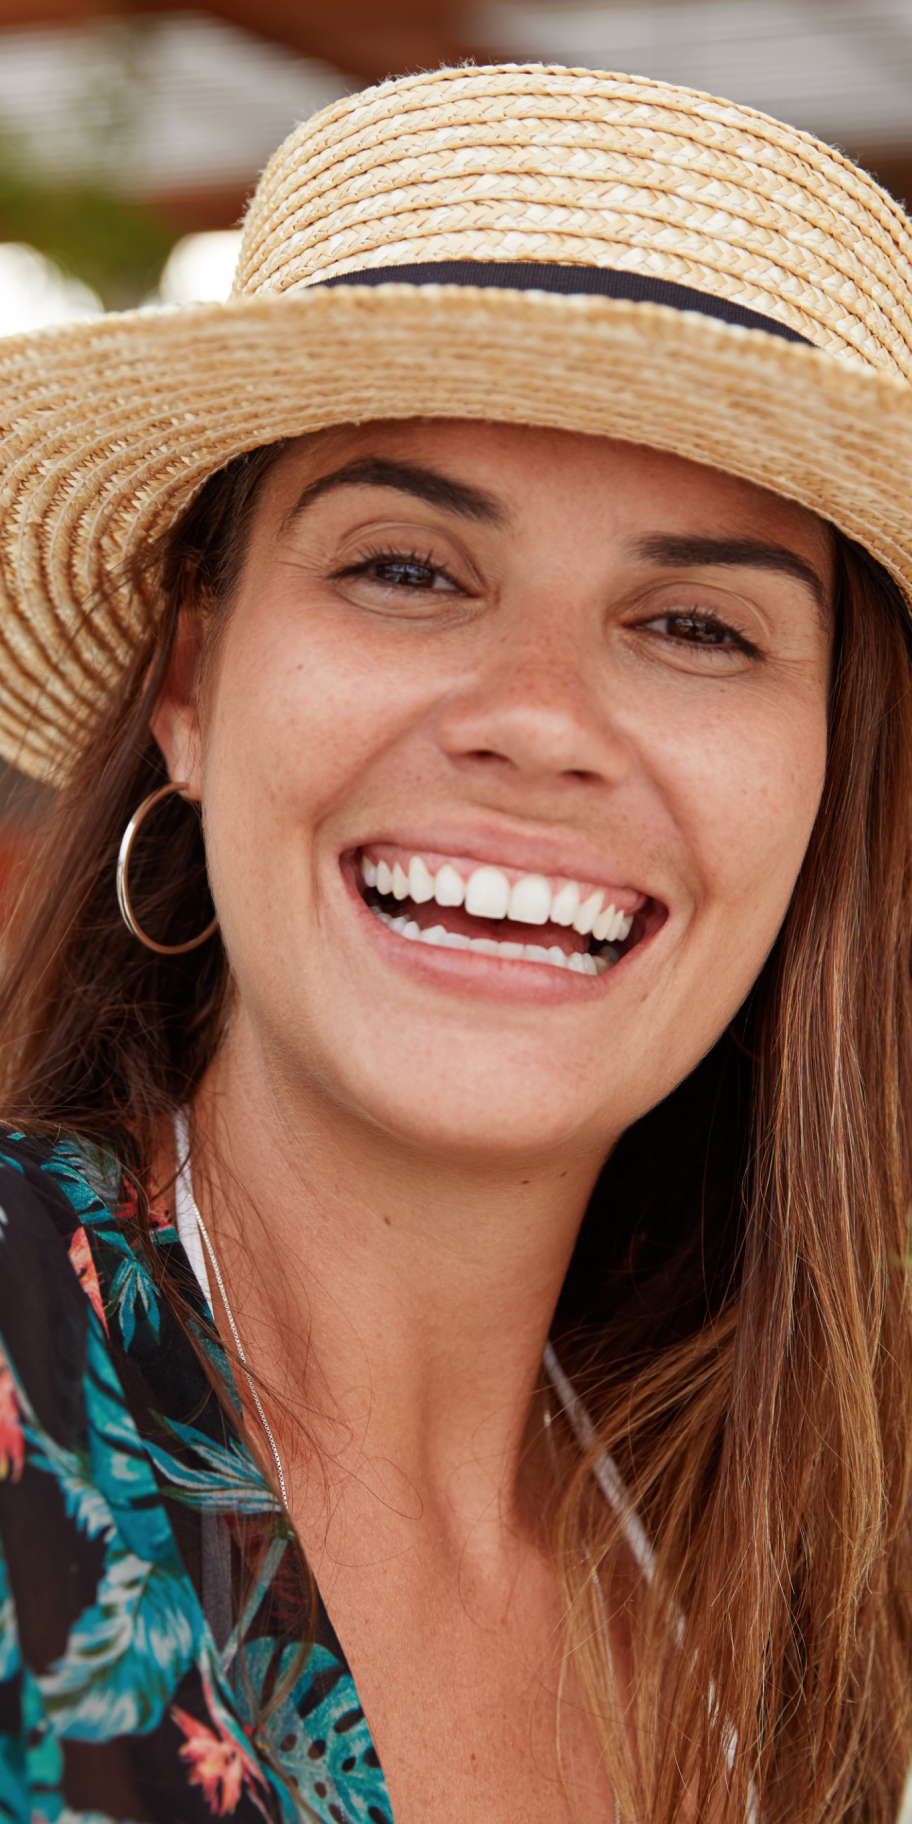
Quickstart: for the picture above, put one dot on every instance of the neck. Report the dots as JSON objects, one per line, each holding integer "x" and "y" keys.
{"x": 398, "y": 1298}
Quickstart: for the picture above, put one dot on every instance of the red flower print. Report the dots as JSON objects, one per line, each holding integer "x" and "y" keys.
{"x": 127, "y": 1207}
{"x": 214, "y": 1762}
{"x": 127, "y": 1210}
{"x": 12, "y": 1442}
{"x": 217, "y": 1763}
{"x": 84, "y": 1268}
{"x": 160, "y": 1216}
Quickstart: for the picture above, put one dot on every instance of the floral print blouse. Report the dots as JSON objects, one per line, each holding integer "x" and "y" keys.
{"x": 151, "y": 1600}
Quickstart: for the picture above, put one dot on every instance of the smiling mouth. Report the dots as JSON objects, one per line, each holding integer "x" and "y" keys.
{"x": 500, "y": 912}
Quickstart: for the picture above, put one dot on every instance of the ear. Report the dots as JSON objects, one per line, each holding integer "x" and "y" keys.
{"x": 175, "y": 719}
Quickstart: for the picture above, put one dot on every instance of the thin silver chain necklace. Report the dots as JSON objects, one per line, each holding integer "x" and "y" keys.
{"x": 184, "y": 1185}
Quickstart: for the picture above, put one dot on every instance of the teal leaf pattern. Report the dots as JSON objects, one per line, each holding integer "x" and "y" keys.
{"x": 132, "y": 1290}
{"x": 321, "y": 1733}
{"x": 83, "y": 1501}
{"x": 118, "y": 1459}
{"x": 126, "y": 1654}
{"x": 10, "y": 1658}
{"x": 30, "y": 1767}
{"x": 88, "y": 1175}
{"x": 15, "y": 1784}
{"x": 230, "y": 1481}
{"x": 111, "y": 1486}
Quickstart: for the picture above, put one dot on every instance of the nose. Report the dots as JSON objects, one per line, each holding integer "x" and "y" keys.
{"x": 537, "y": 708}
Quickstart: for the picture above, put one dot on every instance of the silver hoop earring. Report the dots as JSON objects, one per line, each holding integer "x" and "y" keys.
{"x": 123, "y": 895}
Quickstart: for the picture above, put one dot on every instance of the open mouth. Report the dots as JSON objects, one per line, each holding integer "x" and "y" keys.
{"x": 500, "y": 912}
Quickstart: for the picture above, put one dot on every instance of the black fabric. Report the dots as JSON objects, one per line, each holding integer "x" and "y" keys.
{"x": 588, "y": 281}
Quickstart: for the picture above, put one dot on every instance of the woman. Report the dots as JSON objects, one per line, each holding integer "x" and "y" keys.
{"x": 454, "y": 1319}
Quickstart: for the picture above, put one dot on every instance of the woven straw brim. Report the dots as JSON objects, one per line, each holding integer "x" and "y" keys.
{"x": 114, "y": 425}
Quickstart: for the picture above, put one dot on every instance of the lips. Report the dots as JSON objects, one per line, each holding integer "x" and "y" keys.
{"x": 556, "y": 922}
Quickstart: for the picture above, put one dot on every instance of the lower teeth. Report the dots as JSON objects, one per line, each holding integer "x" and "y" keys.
{"x": 579, "y": 963}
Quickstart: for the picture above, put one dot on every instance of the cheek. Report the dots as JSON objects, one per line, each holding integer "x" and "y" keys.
{"x": 299, "y": 721}
{"x": 288, "y": 716}
{"x": 746, "y": 796}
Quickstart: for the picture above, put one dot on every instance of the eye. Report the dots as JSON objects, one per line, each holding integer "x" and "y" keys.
{"x": 701, "y": 630}
{"x": 402, "y": 571}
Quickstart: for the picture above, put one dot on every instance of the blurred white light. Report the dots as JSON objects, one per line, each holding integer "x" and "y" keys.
{"x": 199, "y": 270}
{"x": 34, "y": 293}
{"x": 150, "y": 103}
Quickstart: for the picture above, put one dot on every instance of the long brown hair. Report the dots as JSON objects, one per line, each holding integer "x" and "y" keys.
{"x": 736, "y": 1313}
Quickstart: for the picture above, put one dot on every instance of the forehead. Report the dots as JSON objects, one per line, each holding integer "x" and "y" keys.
{"x": 626, "y": 482}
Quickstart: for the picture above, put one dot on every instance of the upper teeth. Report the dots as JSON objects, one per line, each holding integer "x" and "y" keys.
{"x": 488, "y": 894}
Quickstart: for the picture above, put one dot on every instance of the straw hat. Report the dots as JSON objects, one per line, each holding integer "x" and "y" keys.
{"x": 537, "y": 246}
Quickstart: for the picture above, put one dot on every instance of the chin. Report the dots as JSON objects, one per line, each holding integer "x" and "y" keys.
{"x": 506, "y": 1106}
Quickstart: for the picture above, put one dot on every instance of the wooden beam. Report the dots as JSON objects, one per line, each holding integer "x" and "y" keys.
{"x": 362, "y": 37}
{"x": 15, "y": 13}
{"x": 892, "y": 168}
{"x": 369, "y": 39}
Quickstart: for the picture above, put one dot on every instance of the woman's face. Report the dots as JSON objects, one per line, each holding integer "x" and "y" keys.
{"x": 536, "y": 673}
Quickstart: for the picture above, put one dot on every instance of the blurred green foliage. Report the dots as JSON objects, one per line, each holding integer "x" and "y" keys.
{"x": 117, "y": 246}
{"x": 73, "y": 208}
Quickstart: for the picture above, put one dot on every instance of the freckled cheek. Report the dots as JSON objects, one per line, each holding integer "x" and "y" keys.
{"x": 745, "y": 808}
{"x": 295, "y": 727}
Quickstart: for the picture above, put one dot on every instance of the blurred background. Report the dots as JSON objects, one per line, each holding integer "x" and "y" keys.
{"x": 131, "y": 135}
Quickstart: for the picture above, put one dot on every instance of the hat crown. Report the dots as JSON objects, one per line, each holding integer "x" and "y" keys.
{"x": 576, "y": 167}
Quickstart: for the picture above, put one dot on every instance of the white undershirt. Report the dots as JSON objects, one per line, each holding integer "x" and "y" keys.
{"x": 186, "y": 1220}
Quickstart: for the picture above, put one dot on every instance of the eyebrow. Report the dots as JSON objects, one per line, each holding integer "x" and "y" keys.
{"x": 408, "y": 478}
{"x": 747, "y": 553}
